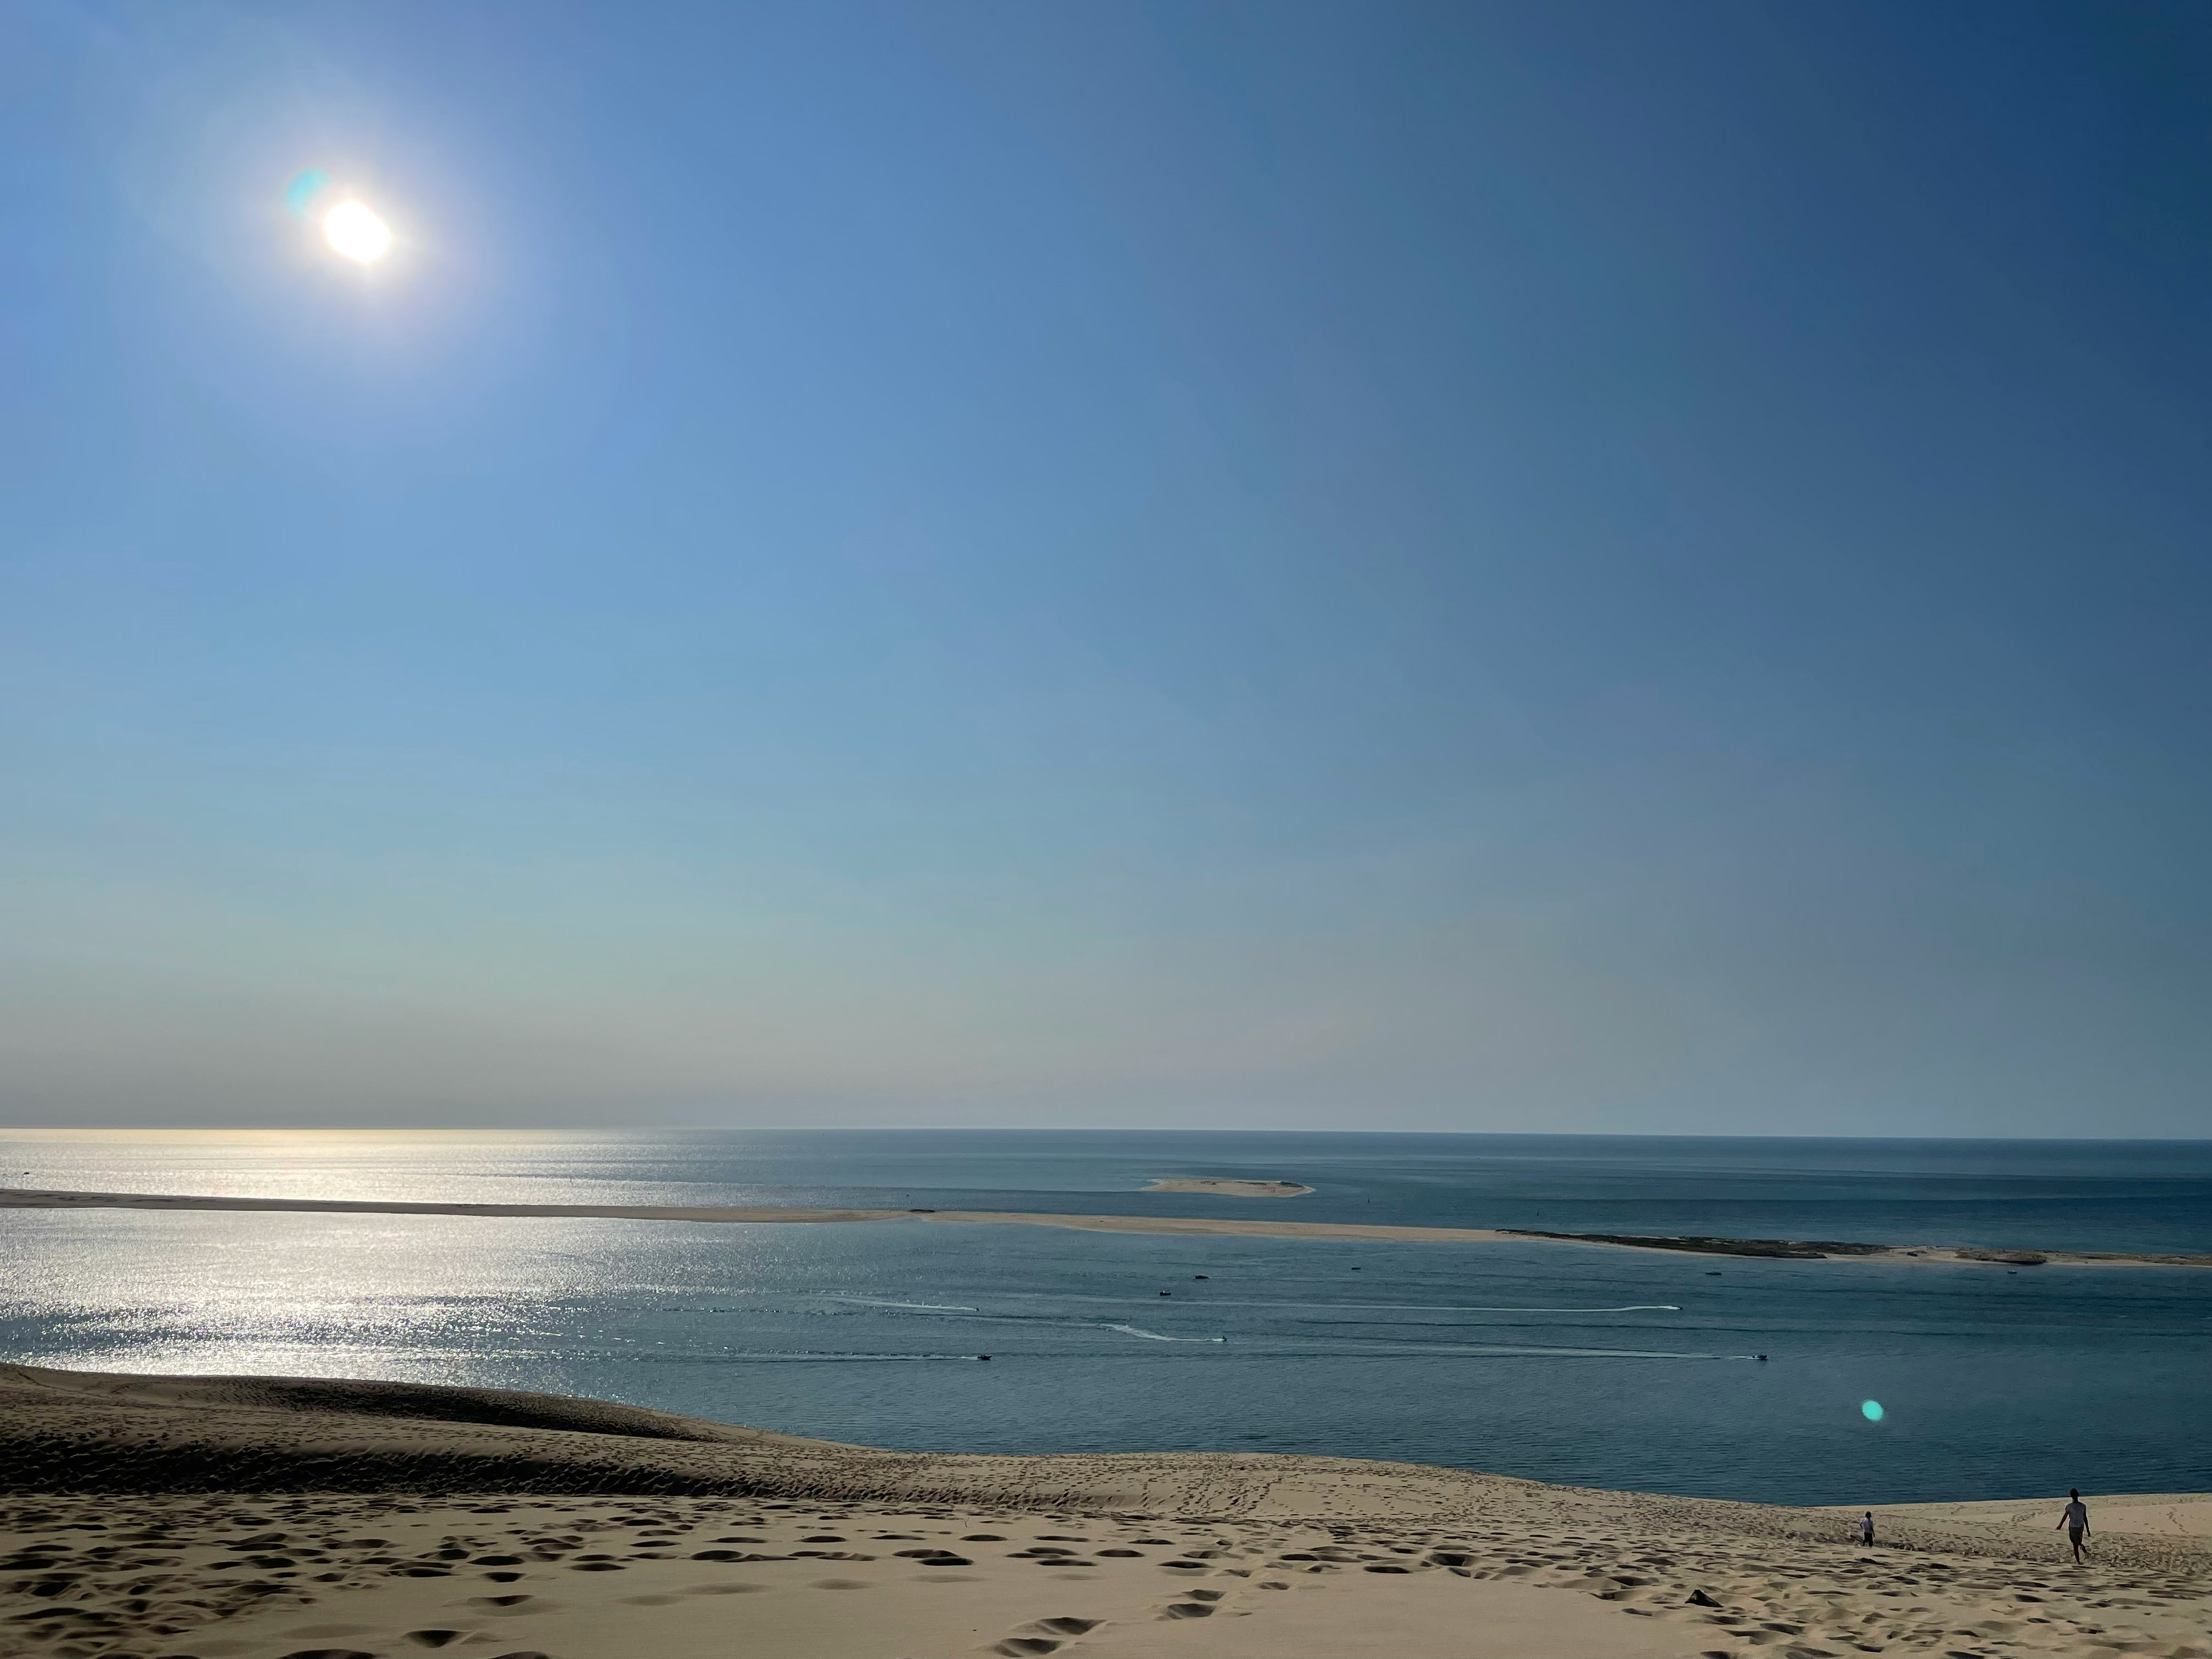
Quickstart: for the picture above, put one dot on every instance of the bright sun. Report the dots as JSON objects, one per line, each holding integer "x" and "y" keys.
{"x": 355, "y": 232}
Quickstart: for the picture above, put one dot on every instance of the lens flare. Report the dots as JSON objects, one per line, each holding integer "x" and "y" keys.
{"x": 355, "y": 232}
{"x": 300, "y": 195}
{"x": 1870, "y": 1410}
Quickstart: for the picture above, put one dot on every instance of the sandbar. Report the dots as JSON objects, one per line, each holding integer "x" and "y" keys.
{"x": 1815, "y": 1250}
{"x": 1226, "y": 1188}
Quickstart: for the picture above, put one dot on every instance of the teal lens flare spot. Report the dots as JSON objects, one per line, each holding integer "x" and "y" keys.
{"x": 1870, "y": 1410}
{"x": 300, "y": 195}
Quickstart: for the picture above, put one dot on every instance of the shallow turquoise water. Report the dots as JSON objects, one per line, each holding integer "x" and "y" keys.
{"x": 1563, "y": 1363}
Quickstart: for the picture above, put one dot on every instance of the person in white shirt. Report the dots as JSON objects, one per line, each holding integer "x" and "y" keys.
{"x": 1866, "y": 1528}
{"x": 2076, "y": 1520}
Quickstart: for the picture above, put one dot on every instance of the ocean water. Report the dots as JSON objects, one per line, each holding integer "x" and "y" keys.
{"x": 1561, "y": 1363}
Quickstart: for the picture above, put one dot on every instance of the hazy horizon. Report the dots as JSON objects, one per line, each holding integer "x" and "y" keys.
{"x": 156, "y": 1133}
{"x": 1400, "y": 567}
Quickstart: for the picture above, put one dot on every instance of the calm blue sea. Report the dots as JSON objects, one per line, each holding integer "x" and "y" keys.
{"x": 1601, "y": 1367}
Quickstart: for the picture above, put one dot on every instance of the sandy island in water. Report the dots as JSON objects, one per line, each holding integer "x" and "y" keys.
{"x": 1789, "y": 1250}
{"x": 259, "y": 1518}
{"x": 1227, "y": 1189}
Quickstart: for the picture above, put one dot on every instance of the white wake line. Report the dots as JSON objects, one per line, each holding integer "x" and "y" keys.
{"x": 775, "y": 1356}
{"x": 1436, "y": 1307}
{"x": 1423, "y": 1348}
{"x": 1017, "y": 1319}
{"x": 1556, "y": 1353}
{"x": 1199, "y": 1299}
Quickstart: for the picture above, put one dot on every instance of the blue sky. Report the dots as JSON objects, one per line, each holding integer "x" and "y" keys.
{"x": 1488, "y": 566}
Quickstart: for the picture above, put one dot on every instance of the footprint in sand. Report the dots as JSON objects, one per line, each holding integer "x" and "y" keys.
{"x": 1044, "y": 1636}
{"x": 328, "y": 1631}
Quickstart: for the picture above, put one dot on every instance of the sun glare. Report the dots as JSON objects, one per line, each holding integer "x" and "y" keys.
{"x": 355, "y": 232}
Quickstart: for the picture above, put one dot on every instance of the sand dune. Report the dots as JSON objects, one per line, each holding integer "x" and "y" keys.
{"x": 1814, "y": 1250}
{"x": 262, "y": 1518}
{"x": 2167, "y": 1515}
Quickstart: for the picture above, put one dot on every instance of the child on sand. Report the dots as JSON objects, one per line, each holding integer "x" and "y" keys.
{"x": 2076, "y": 1520}
{"x": 1866, "y": 1528}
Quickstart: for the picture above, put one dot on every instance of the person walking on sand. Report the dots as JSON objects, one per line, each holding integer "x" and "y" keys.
{"x": 1866, "y": 1529}
{"x": 2076, "y": 1520}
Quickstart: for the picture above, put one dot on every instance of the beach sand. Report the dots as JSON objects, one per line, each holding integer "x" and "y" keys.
{"x": 241, "y": 1518}
{"x": 2160, "y": 1514}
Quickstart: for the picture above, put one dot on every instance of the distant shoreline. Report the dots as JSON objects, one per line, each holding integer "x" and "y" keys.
{"x": 15, "y": 1197}
{"x": 1221, "y": 1187}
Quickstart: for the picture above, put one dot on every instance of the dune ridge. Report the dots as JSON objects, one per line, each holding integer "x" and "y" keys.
{"x": 62, "y": 1429}
{"x": 243, "y": 1517}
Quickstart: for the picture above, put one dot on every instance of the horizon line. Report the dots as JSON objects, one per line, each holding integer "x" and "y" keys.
{"x": 1061, "y": 1129}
